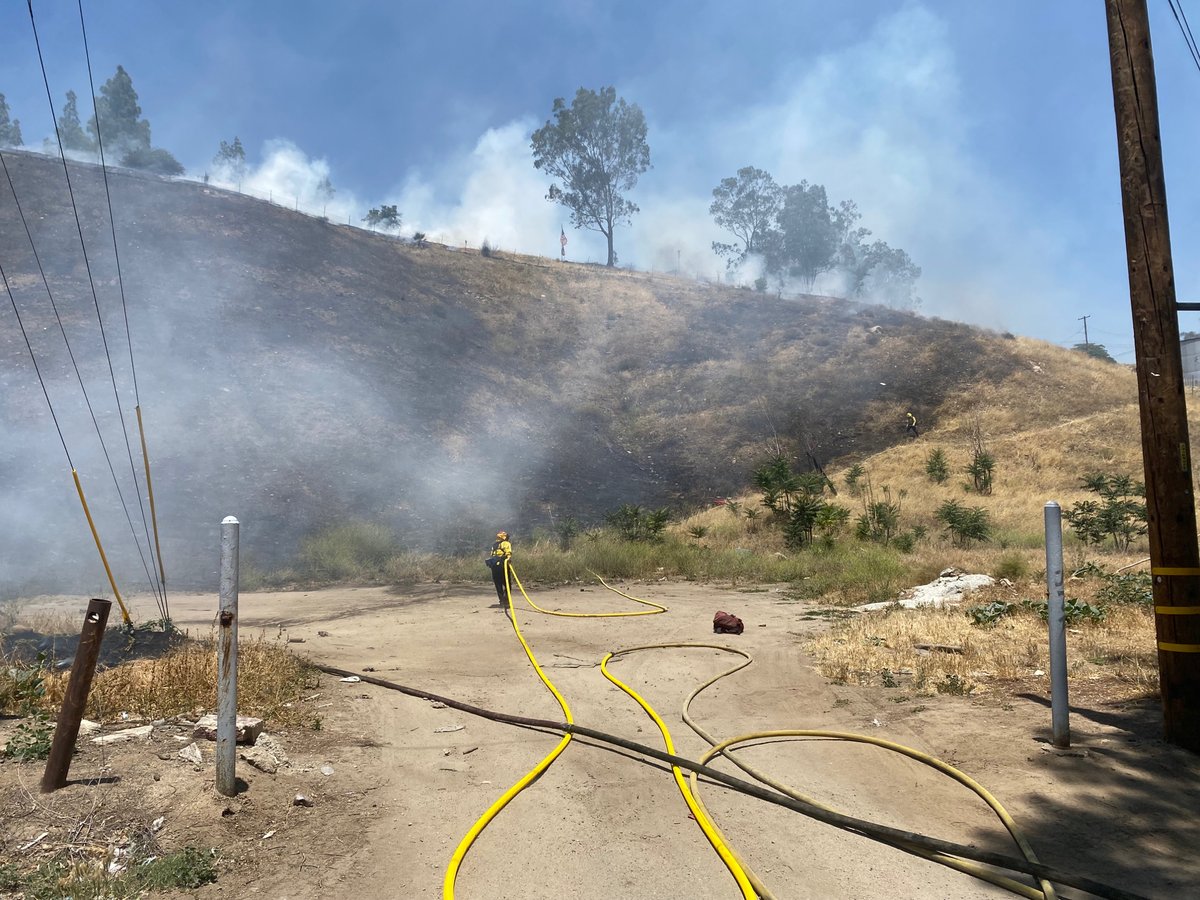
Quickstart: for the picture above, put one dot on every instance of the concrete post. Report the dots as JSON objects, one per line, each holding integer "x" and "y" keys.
{"x": 1059, "y": 706}
{"x": 227, "y": 660}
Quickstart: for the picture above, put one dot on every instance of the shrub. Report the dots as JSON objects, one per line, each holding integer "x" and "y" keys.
{"x": 420, "y": 238}
{"x": 22, "y": 692}
{"x": 880, "y": 519}
{"x": 853, "y": 475}
{"x": 1120, "y": 514}
{"x": 983, "y": 464}
{"x": 636, "y": 524}
{"x": 1012, "y": 566}
{"x": 567, "y": 530}
{"x": 936, "y": 466}
{"x": 350, "y": 551}
{"x": 965, "y": 524}
{"x": 698, "y": 531}
{"x": 906, "y": 541}
{"x": 760, "y": 284}
{"x": 486, "y": 248}
{"x": 1128, "y": 589}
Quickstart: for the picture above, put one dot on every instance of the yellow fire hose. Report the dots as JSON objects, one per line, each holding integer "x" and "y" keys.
{"x": 481, "y": 823}
{"x": 748, "y": 883}
{"x": 720, "y": 749}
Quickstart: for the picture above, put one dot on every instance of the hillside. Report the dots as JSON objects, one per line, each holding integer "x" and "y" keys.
{"x": 294, "y": 372}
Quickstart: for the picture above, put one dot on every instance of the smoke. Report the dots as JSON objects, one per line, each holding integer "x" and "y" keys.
{"x": 289, "y": 177}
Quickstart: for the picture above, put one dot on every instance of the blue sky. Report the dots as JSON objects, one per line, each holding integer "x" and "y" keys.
{"x": 979, "y": 137}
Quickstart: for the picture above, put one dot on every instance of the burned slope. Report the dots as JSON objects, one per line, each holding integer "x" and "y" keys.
{"x": 296, "y": 372}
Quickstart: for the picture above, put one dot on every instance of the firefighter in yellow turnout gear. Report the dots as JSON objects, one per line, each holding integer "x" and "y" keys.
{"x": 498, "y": 563}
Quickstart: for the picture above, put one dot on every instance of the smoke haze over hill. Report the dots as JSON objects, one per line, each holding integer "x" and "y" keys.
{"x": 295, "y": 372}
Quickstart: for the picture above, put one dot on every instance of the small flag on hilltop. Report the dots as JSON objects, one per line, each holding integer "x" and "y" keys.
{"x": 562, "y": 240}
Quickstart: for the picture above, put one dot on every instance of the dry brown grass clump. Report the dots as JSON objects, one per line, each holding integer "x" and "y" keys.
{"x": 1115, "y": 659}
{"x": 271, "y": 680}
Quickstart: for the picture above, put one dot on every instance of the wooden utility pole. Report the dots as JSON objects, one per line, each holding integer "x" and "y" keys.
{"x": 1171, "y": 510}
{"x": 1084, "y": 319}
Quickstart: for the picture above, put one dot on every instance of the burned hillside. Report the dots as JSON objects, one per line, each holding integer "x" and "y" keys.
{"x": 295, "y": 372}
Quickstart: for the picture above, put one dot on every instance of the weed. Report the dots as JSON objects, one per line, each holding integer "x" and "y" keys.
{"x": 31, "y": 740}
{"x": 352, "y": 551}
{"x": 990, "y": 613}
{"x": 698, "y": 531}
{"x": 184, "y": 680}
{"x": 889, "y": 680}
{"x": 186, "y": 868}
{"x": 1074, "y": 611}
{"x": 953, "y": 684}
{"x": 1129, "y": 588}
{"x": 1012, "y": 566}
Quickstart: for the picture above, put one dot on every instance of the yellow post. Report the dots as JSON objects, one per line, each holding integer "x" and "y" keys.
{"x": 162, "y": 571}
{"x": 104, "y": 559}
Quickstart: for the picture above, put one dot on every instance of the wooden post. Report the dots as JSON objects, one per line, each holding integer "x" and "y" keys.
{"x": 80, "y": 682}
{"x": 1171, "y": 511}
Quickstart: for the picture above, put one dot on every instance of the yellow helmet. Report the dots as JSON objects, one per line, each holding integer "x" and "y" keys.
{"x": 502, "y": 535}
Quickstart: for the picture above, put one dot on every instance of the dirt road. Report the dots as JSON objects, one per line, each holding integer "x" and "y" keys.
{"x": 1120, "y": 809}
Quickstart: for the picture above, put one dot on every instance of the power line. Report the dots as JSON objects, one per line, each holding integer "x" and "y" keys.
{"x": 99, "y": 317}
{"x": 164, "y": 608}
{"x": 74, "y": 365}
{"x": 36, "y": 368}
{"x": 1186, "y": 28}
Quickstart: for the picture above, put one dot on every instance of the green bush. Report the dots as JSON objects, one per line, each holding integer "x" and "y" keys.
{"x": 1074, "y": 611}
{"x": 1119, "y": 515}
{"x": 981, "y": 469}
{"x": 965, "y": 524}
{"x": 1131, "y": 588}
{"x": 188, "y": 868}
{"x": 936, "y": 466}
{"x": 353, "y": 551}
{"x": 990, "y": 613}
{"x": 853, "y": 476}
{"x": 636, "y": 524}
{"x": 1012, "y": 566}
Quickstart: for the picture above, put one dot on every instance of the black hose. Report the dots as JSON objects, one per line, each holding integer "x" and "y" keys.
{"x": 884, "y": 834}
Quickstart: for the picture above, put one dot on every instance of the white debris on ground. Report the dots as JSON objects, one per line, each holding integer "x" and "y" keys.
{"x": 948, "y": 588}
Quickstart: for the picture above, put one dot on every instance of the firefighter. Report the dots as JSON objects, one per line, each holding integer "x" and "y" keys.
{"x": 498, "y": 562}
{"x": 910, "y": 424}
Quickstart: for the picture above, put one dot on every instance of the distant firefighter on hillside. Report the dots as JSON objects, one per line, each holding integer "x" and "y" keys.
{"x": 910, "y": 426}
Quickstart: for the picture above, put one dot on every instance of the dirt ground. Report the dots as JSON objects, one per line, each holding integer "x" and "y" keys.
{"x": 1119, "y": 807}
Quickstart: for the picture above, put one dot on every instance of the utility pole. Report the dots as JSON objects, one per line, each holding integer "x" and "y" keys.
{"x": 1084, "y": 319}
{"x": 1170, "y": 506}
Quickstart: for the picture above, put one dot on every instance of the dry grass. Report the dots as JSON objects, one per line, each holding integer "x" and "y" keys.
{"x": 271, "y": 680}
{"x": 1115, "y": 659}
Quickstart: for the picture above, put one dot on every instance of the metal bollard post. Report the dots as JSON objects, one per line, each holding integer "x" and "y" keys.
{"x": 227, "y": 660}
{"x": 69, "y": 716}
{"x": 1060, "y": 725}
